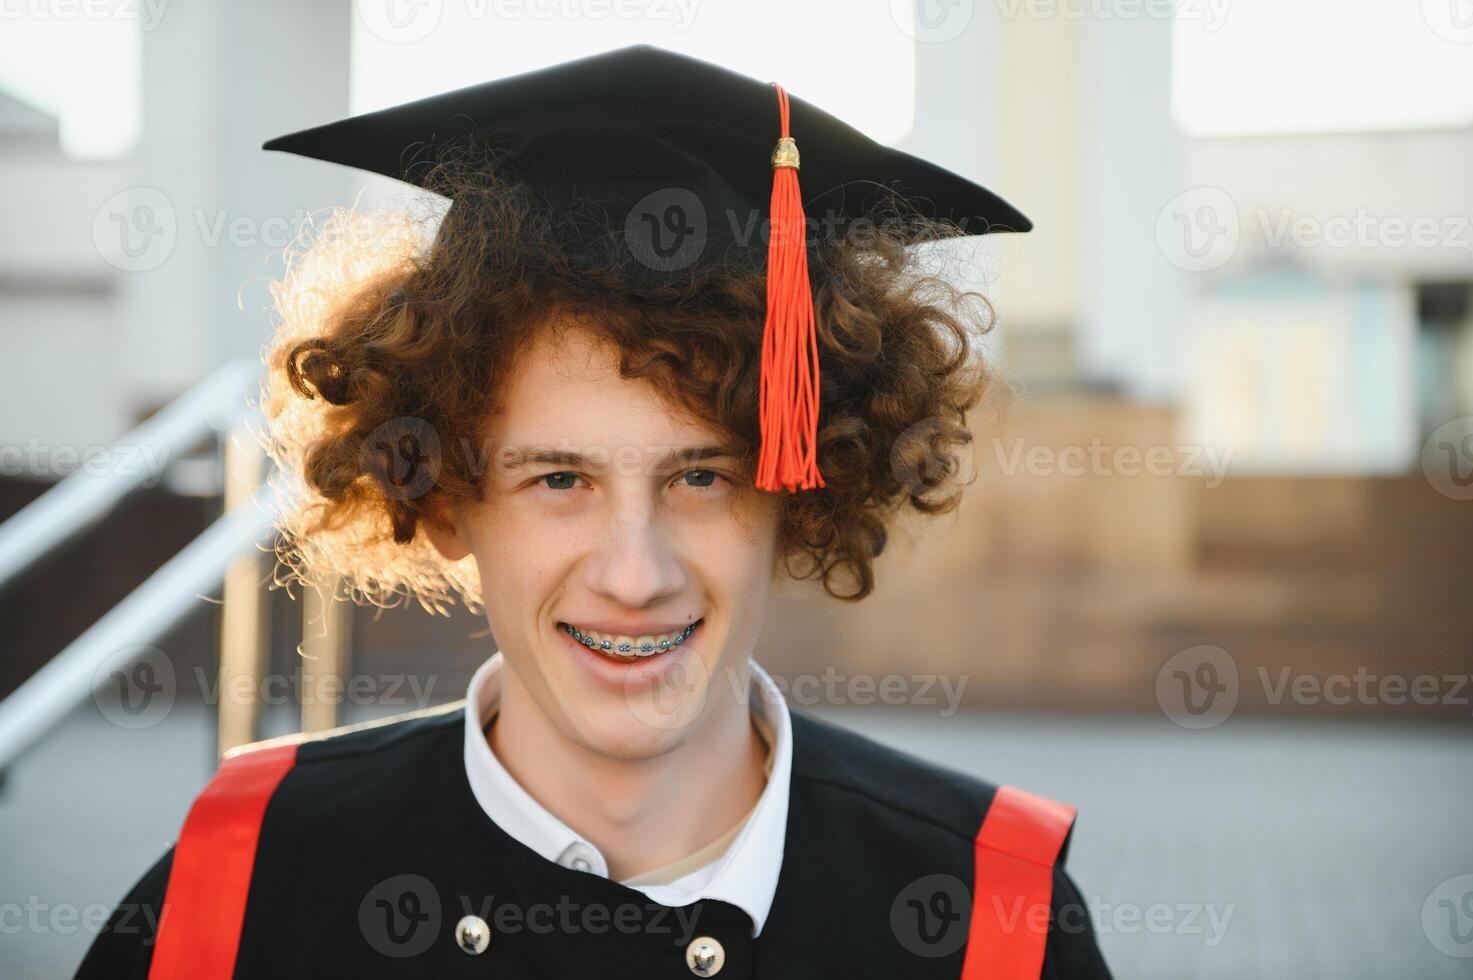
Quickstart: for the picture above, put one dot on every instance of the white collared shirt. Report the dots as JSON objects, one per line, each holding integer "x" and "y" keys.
{"x": 745, "y": 875}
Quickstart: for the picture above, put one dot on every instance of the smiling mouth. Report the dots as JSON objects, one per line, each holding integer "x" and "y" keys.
{"x": 629, "y": 649}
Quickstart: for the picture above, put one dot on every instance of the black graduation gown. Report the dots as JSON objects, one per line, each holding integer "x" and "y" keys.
{"x": 372, "y": 848}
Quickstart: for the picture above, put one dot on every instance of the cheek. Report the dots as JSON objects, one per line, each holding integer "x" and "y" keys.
{"x": 754, "y": 530}
{"x": 517, "y": 557}
{"x": 510, "y": 526}
{"x": 741, "y": 555}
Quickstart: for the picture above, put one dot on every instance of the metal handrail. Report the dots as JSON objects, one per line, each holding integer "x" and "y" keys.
{"x": 166, "y": 597}
{"x": 216, "y": 404}
{"x": 81, "y": 499}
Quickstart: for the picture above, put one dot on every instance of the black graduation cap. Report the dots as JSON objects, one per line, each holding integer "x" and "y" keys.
{"x": 678, "y": 156}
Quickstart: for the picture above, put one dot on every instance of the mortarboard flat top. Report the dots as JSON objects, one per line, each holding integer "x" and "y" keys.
{"x": 641, "y": 128}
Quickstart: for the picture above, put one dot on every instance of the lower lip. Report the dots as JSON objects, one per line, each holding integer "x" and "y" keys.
{"x": 620, "y": 674}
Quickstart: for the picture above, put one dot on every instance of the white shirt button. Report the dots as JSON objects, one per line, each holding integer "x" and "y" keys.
{"x": 581, "y": 857}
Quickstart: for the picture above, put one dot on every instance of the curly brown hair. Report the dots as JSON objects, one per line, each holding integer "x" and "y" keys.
{"x": 380, "y": 322}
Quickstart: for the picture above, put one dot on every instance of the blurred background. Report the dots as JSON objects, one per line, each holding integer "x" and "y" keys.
{"x": 1210, "y": 580}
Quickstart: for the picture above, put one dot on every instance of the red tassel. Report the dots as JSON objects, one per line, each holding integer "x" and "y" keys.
{"x": 789, "y": 381}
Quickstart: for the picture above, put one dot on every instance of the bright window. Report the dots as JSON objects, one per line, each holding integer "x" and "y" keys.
{"x": 1299, "y": 66}
{"x": 86, "y": 71}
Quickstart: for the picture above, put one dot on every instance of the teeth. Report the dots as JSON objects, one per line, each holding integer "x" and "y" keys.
{"x": 624, "y": 645}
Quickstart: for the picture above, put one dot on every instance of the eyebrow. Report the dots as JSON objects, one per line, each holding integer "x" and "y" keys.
{"x": 514, "y": 458}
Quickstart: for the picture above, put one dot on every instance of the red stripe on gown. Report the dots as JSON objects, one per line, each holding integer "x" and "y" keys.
{"x": 1012, "y": 889}
{"x": 204, "y": 904}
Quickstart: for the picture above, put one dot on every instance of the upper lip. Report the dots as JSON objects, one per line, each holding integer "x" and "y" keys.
{"x": 629, "y": 629}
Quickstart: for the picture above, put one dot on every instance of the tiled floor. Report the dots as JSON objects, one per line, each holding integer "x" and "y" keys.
{"x": 1283, "y": 850}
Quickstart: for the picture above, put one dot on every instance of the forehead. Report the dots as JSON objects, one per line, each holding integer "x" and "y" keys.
{"x": 566, "y": 386}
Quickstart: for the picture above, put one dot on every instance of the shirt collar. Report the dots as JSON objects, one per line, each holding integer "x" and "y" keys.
{"x": 745, "y": 875}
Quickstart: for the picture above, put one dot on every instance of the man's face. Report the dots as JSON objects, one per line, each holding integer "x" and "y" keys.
{"x": 623, "y": 543}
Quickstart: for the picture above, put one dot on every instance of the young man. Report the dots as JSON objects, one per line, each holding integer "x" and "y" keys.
{"x": 599, "y": 409}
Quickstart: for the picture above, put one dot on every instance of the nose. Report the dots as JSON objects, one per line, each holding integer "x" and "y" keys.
{"x": 633, "y": 562}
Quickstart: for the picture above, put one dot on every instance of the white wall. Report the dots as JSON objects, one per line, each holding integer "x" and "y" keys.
{"x": 116, "y": 293}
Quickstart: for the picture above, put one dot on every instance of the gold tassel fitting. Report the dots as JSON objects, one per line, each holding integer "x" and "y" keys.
{"x": 785, "y": 154}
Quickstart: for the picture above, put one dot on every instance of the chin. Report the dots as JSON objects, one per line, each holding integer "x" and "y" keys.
{"x": 620, "y": 731}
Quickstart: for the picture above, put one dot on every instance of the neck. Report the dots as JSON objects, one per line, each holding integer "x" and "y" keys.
{"x": 640, "y": 813}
